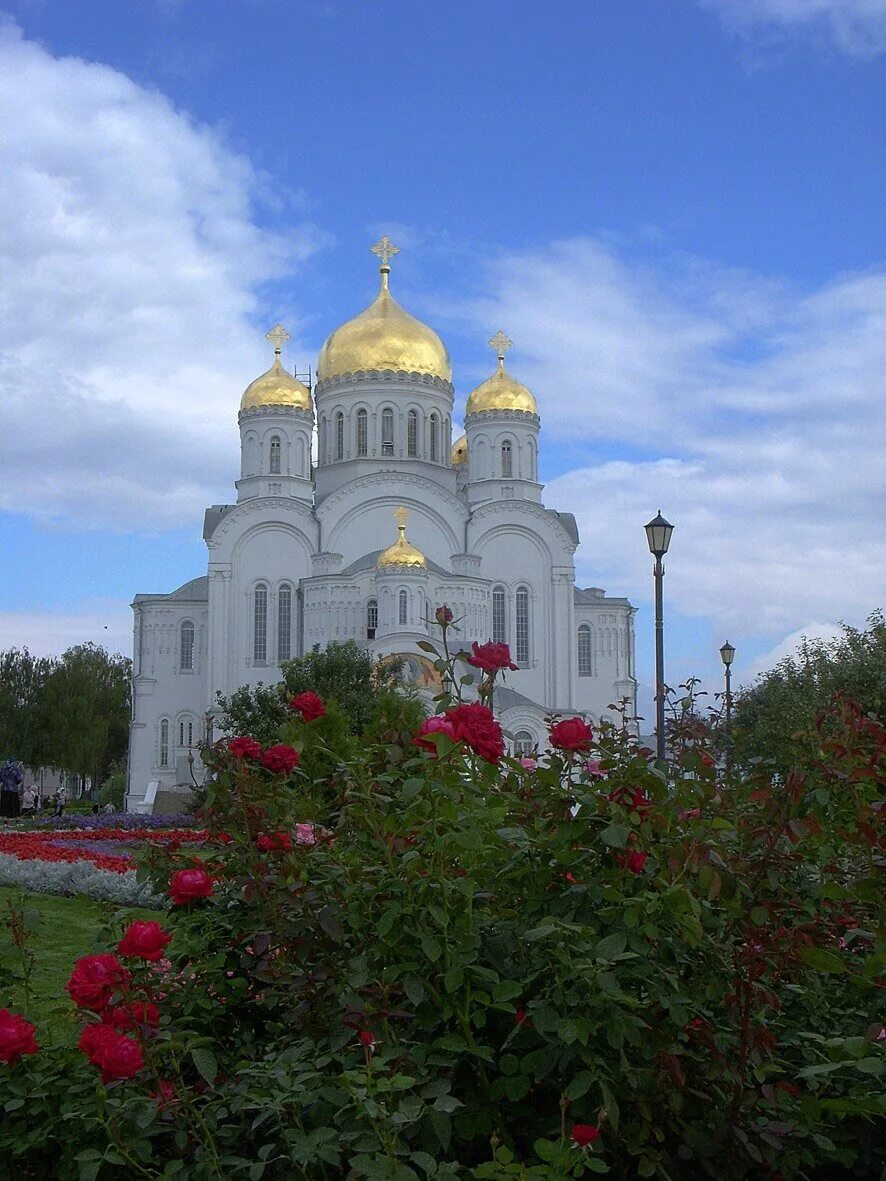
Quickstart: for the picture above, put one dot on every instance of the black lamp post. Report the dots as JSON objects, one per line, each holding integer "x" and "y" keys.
{"x": 658, "y": 535}
{"x": 727, "y": 655}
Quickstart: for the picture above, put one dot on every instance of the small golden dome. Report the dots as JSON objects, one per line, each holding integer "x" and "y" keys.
{"x": 459, "y": 453}
{"x": 276, "y": 387}
{"x": 501, "y": 391}
{"x": 383, "y": 337}
{"x": 401, "y": 553}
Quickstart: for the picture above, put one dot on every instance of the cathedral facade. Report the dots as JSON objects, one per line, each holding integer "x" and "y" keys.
{"x": 388, "y": 522}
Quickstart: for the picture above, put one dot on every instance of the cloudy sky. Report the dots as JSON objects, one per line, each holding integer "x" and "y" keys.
{"x": 675, "y": 208}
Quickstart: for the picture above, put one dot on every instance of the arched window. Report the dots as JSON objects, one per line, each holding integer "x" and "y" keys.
{"x": 521, "y": 630}
{"x": 523, "y": 743}
{"x": 260, "y": 624}
{"x": 164, "y": 743}
{"x": 403, "y": 608}
{"x": 274, "y": 460}
{"x": 499, "y": 617}
{"x": 284, "y": 624}
{"x": 362, "y": 433}
{"x": 435, "y": 438}
{"x": 371, "y": 619}
{"x": 387, "y": 432}
{"x": 186, "y": 732}
{"x": 507, "y": 460}
{"x": 585, "y": 652}
{"x": 186, "y": 647}
{"x": 339, "y": 435}
{"x": 412, "y": 434}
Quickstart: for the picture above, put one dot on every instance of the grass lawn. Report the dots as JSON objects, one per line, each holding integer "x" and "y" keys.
{"x": 67, "y": 929}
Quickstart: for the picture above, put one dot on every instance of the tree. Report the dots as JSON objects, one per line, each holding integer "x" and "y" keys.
{"x": 87, "y": 709}
{"x": 23, "y": 733}
{"x": 774, "y": 720}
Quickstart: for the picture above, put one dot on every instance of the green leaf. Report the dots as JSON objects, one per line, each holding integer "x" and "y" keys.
{"x": 431, "y": 947}
{"x": 611, "y": 946}
{"x": 426, "y": 646}
{"x": 580, "y": 1085}
{"x": 414, "y": 989}
{"x": 821, "y": 960}
{"x": 205, "y": 1062}
{"x": 442, "y": 1126}
{"x": 759, "y": 915}
{"x": 615, "y": 835}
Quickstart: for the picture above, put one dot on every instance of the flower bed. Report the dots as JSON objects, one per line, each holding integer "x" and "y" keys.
{"x": 105, "y": 848}
{"x": 127, "y": 820}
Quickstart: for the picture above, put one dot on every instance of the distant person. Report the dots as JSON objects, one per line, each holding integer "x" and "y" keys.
{"x": 11, "y": 780}
{"x": 109, "y": 807}
{"x": 29, "y": 801}
{"x": 61, "y": 798}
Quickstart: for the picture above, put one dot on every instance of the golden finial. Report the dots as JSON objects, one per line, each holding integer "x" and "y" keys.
{"x": 401, "y": 515}
{"x": 501, "y": 344}
{"x": 385, "y": 250}
{"x": 278, "y": 337}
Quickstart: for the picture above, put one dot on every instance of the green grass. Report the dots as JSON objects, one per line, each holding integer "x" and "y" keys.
{"x": 67, "y": 929}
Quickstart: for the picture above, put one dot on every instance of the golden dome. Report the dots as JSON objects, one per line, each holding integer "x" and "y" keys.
{"x": 459, "y": 453}
{"x": 384, "y": 336}
{"x": 401, "y": 553}
{"x": 276, "y": 387}
{"x": 501, "y": 391}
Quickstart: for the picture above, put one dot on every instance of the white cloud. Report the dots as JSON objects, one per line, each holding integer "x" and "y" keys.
{"x": 856, "y": 27}
{"x": 750, "y": 412}
{"x": 49, "y": 633}
{"x": 131, "y": 260}
{"x": 789, "y": 646}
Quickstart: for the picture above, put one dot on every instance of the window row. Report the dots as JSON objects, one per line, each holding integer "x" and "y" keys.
{"x": 360, "y": 435}
{"x": 511, "y": 623}
{"x": 262, "y": 640}
{"x": 503, "y": 459}
{"x": 275, "y": 456}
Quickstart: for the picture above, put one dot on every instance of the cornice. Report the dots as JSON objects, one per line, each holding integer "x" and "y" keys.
{"x": 481, "y": 416}
{"x": 275, "y": 411}
{"x": 383, "y": 377}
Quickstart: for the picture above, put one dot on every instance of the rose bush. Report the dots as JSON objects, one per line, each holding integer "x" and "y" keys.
{"x": 478, "y": 969}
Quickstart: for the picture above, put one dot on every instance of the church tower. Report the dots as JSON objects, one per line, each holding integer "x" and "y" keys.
{"x": 499, "y": 452}
{"x": 276, "y": 422}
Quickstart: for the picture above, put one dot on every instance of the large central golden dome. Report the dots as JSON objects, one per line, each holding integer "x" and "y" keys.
{"x": 384, "y": 337}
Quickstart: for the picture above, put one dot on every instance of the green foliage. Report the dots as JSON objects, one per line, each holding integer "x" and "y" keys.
{"x": 774, "y": 719}
{"x": 712, "y": 1010}
{"x": 23, "y": 719}
{"x": 113, "y": 789}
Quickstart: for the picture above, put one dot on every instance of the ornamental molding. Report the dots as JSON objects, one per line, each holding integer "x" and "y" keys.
{"x": 481, "y": 416}
{"x": 261, "y": 504}
{"x": 383, "y": 377}
{"x": 390, "y": 478}
{"x": 297, "y": 412}
{"x": 510, "y": 507}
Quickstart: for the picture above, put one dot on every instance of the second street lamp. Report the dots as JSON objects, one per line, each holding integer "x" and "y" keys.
{"x": 658, "y": 536}
{"x": 727, "y": 655}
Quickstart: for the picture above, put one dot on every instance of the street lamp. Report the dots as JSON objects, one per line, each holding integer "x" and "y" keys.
{"x": 658, "y": 535}
{"x": 727, "y": 655}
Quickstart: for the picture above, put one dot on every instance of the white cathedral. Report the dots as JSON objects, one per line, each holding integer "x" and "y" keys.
{"x": 319, "y": 551}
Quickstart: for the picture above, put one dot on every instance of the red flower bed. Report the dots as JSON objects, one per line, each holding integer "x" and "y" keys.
{"x": 48, "y": 846}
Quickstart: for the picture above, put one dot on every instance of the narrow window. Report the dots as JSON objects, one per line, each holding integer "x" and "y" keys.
{"x": 284, "y": 624}
{"x": 339, "y": 435}
{"x": 164, "y": 743}
{"x": 186, "y": 647}
{"x": 371, "y": 619}
{"x": 523, "y": 743}
{"x": 387, "y": 432}
{"x": 404, "y": 608}
{"x": 362, "y": 433}
{"x": 585, "y": 660}
{"x": 499, "y": 630}
{"x": 260, "y": 625}
{"x": 412, "y": 434}
{"x": 190, "y": 733}
{"x": 522, "y": 626}
{"x": 181, "y": 733}
{"x": 507, "y": 460}
{"x": 275, "y": 455}
{"x": 435, "y": 431}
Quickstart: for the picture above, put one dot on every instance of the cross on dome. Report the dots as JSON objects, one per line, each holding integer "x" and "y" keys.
{"x": 278, "y": 336}
{"x": 501, "y": 344}
{"x": 401, "y": 516}
{"x": 385, "y": 250}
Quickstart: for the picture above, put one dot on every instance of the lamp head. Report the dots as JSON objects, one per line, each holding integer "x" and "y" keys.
{"x": 658, "y": 535}
{"x": 727, "y": 654}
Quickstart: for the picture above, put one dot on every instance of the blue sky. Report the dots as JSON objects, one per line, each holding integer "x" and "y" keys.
{"x": 675, "y": 208}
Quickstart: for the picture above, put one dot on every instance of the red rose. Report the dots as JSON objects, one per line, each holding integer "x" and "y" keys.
{"x": 435, "y": 725}
{"x": 274, "y": 840}
{"x": 187, "y": 884}
{"x": 632, "y": 798}
{"x": 584, "y": 1134}
{"x": 224, "y": 838}
{"x": 706, "y": 759}
{"x": 443, "y": 615}
{"x": 280, "y": 758}
{"x": 491, "y": 657}
{"x": 309, "y": 705}
{"x": 145, "y": 940}
{"x": 16, "y": 1037}
{"x": 520, "y": 1016}
{"x": 116, "y": 1055}
{"x": 94, "y": 979}
{"x": 132, "y": 1015}
{"x": 245, "y": 748}
{"x": 474, "y": 725}
{"x": 571, "y": 734}
{"x": 367, "y": 1037}
{"x": 634, "y": 861}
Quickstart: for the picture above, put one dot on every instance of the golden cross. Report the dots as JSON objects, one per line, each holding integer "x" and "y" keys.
{"x": 278, "y": 336}
{"x": 501, "y": 344}
{"x": 400, "y": 516}
{"x": 385, "y": 250}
